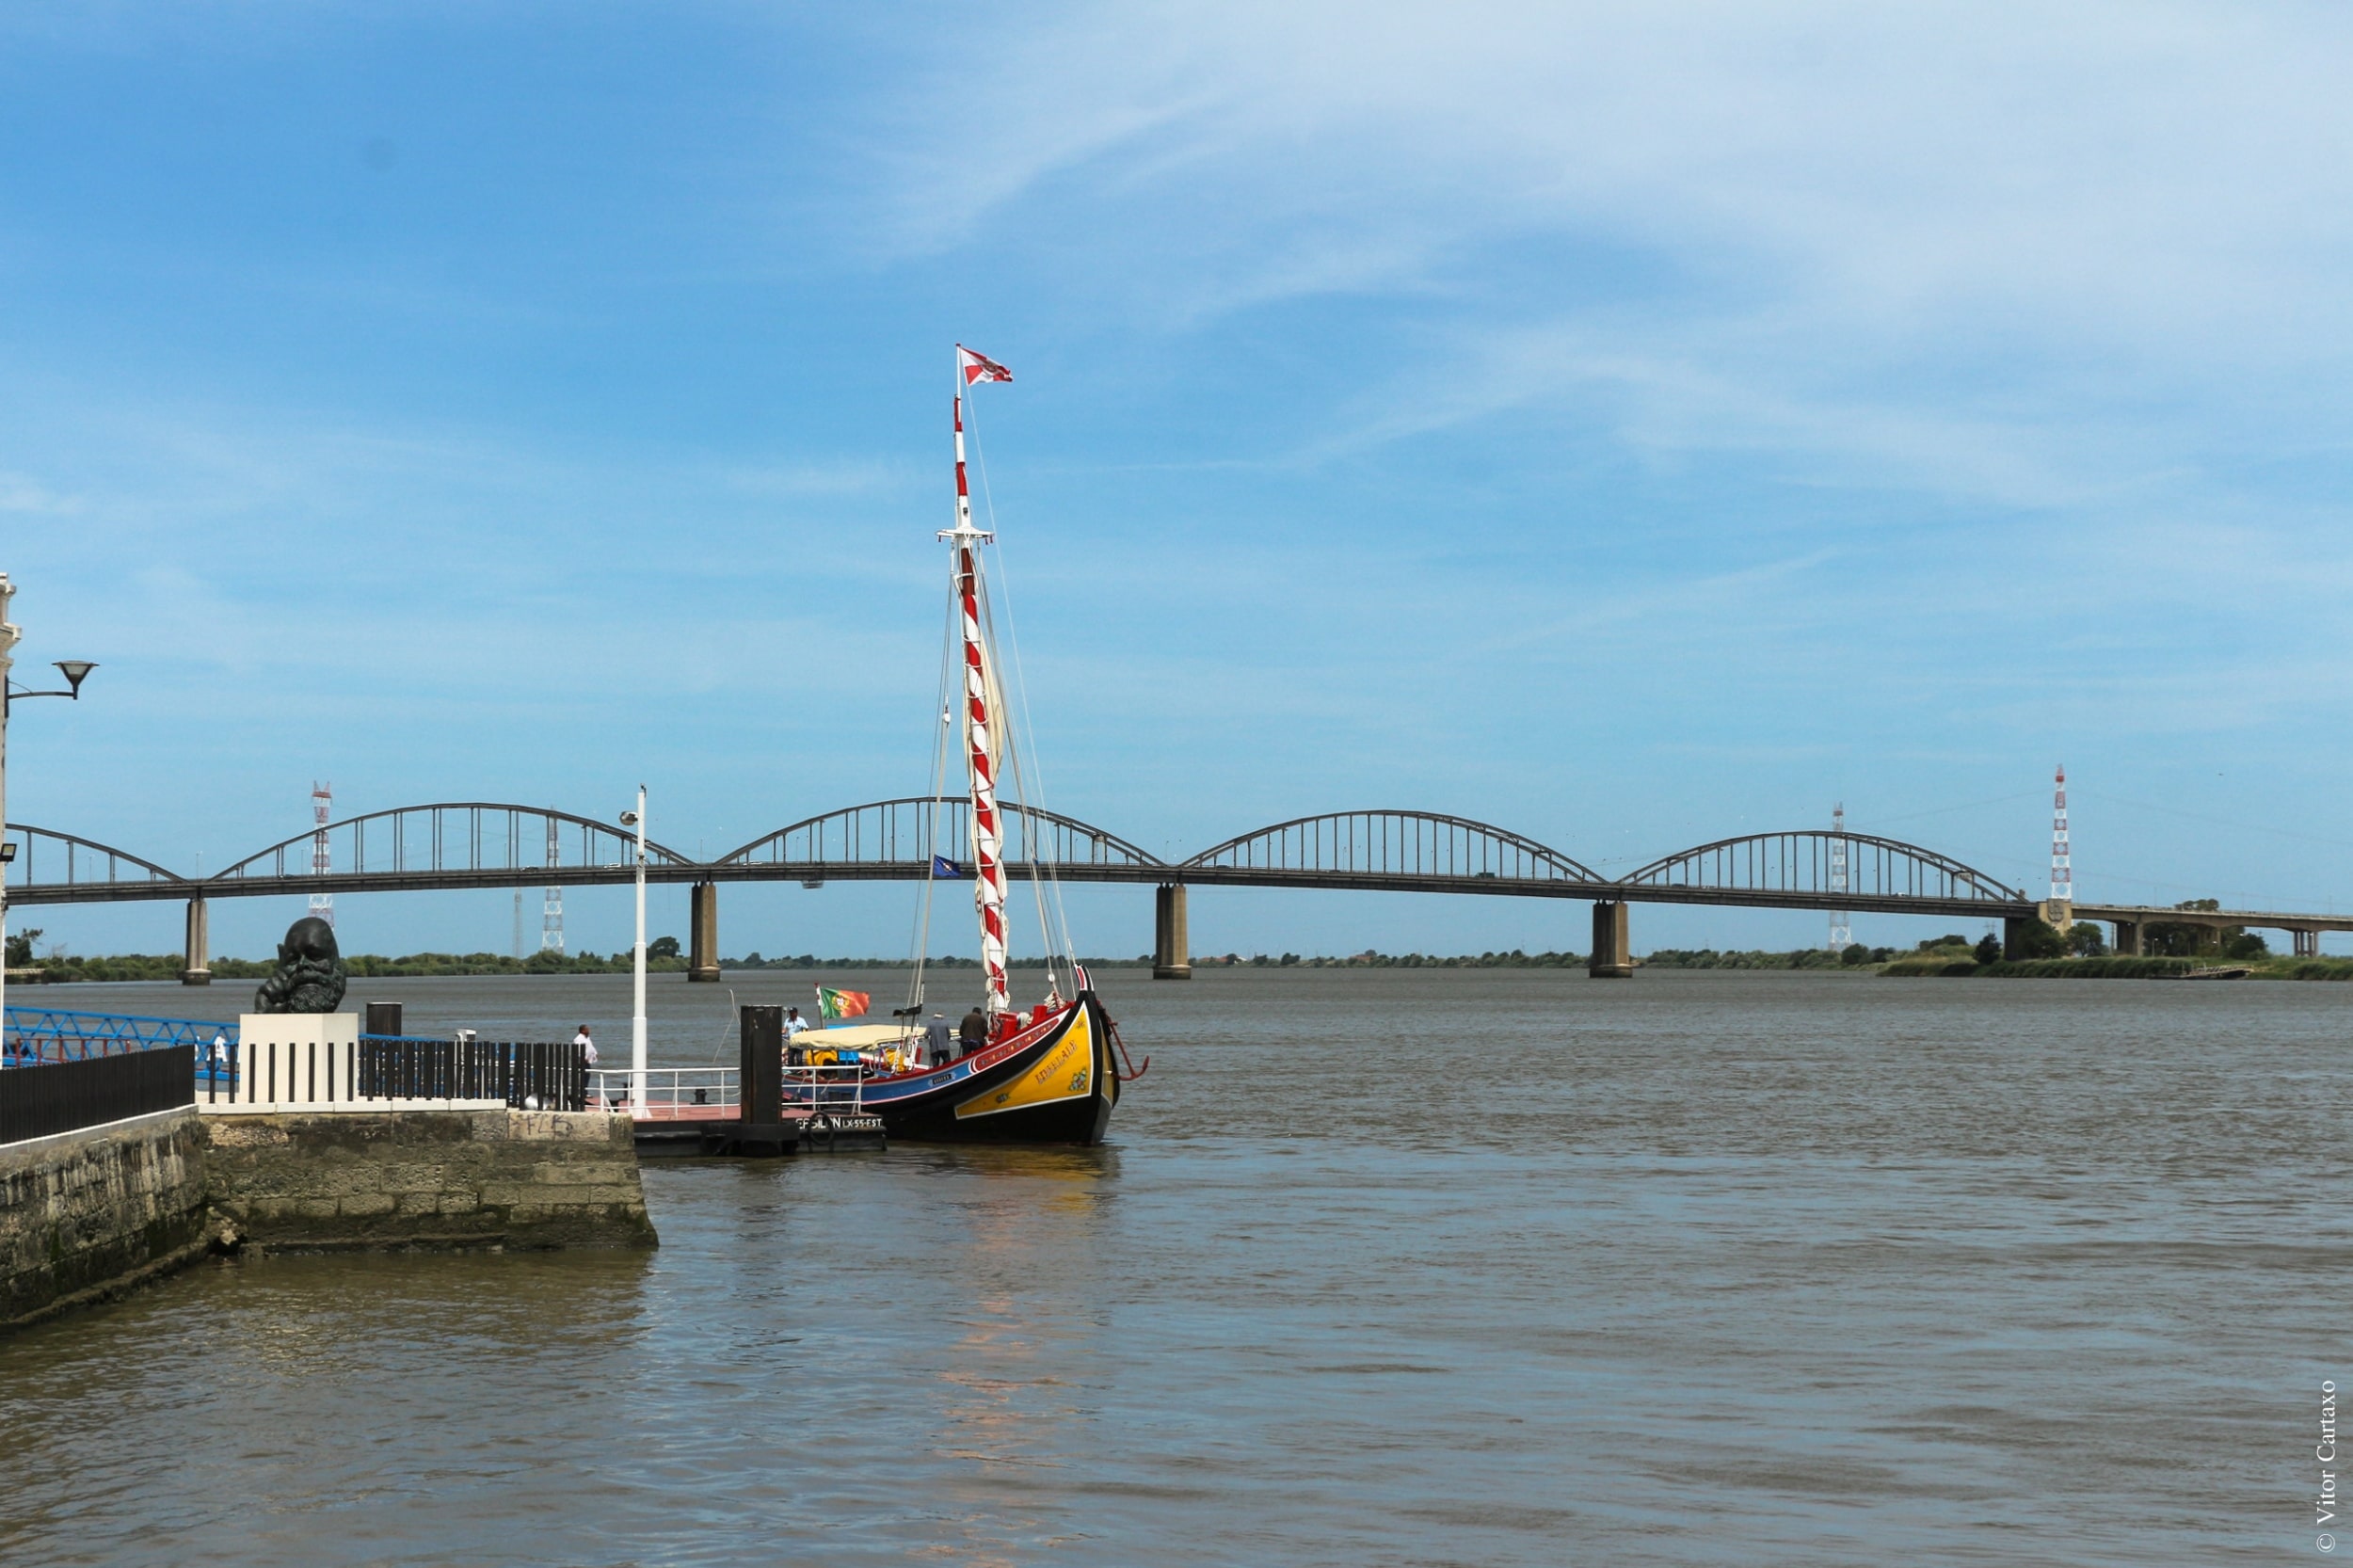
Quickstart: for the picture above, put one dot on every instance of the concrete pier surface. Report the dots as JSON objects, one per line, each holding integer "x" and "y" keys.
{"x": 426, "y": 1178}
{"x": 86, "y": 1216}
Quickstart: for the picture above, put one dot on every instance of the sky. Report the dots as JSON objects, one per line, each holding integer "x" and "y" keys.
{"x": 1630, "y": 426}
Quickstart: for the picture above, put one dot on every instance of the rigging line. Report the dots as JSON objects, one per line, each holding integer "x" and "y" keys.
{"x": 726, "y": 1026}
{"x": 1013, "y": 749}
{"x": 1021, "y": 782}
{"x": 2218, "y": 821}
{"x": 949, "y": 638}
{"x": 1021, "y": 691}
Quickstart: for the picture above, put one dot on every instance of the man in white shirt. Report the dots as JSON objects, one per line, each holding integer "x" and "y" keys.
{"x": 793, "y": 1022}
{"x": 587, "y": 1047}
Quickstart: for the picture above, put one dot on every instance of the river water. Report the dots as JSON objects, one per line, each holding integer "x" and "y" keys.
{"x": 1380, "y": 1267}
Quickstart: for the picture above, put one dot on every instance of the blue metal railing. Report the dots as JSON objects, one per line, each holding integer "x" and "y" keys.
{"x": 35, "y": 1034}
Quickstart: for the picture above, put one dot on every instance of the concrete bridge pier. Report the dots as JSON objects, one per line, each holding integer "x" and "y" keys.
{"x": 2014, "y": 934}
{"x": 1612, "y": 958}
{"x": 702, "y": 923}
{"x": 2307, "y": 943}
{"x": 196, "y": 967}
{"x": 2128, "y": 940}
{"x": 1172, "y": 944}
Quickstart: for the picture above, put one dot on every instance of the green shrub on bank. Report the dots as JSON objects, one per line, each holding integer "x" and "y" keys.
{"x": 2089, "y": 968}
{"x": 1939, "y": 962}
{"x": 2306, "y": 968}
{"x": 2047, "y": 969}
{"x": 1708, "y": 958}
{"x": 142, "y": 966}
{"x": 363, "y": 966}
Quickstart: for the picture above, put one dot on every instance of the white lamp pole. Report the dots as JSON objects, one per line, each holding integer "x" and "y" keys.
{"x": 9, "y": 634}
{"x": 637, "y": 1018}
{"x": 75, "y": 670}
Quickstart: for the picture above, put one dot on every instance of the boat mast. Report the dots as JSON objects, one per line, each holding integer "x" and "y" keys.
{"x": 982, "y": 746}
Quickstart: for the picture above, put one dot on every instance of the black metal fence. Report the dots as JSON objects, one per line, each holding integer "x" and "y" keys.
{"x": 552, "y": 1076}
{"x": 65, "y": 1096}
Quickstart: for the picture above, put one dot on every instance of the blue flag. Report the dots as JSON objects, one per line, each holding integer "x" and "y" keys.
{"x": 943, "y": 867}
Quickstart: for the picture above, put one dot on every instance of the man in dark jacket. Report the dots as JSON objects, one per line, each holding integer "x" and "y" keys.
{"x": 973, "y": 1033}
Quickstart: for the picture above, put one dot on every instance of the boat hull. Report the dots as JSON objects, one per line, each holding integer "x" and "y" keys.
{"x": 1055, "y": 1083}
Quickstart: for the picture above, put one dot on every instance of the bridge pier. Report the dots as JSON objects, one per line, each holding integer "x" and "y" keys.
{"x": 2128, "y": 938}
{"x": 2307, "y": 943}
{"x": 2014, "y": 934}
{"x": 196, "y": 966}
{"x": 1172, "y": 944}
{"x": 702, "y": 923}
{"x": 1612, "y": 958}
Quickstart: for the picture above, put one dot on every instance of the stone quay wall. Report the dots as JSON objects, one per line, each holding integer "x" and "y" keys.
{"x": 87, "y": 1215}
{"x": 426, "y": 1178}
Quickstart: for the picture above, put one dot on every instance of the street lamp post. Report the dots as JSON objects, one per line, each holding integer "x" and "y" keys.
{"x": 75, "y": 671}
{"x": 637, "y": 964}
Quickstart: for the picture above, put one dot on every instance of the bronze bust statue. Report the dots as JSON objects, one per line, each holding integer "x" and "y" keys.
{"x": 311, "y": 974}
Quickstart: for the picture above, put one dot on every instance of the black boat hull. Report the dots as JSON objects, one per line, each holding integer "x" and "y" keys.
{"x": 1058, "y": 1087}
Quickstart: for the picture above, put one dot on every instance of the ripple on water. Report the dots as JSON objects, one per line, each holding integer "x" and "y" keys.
{"x": 1769, "y": 1269}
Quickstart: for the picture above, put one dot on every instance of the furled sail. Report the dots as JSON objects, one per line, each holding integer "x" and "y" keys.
{"x": 984, "y": 716}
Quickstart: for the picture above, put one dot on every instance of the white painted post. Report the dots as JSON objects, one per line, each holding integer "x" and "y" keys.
{"x": 637, "y": 1018}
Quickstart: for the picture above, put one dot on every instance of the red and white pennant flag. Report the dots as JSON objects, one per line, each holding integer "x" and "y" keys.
{"x": 979, "y": 367}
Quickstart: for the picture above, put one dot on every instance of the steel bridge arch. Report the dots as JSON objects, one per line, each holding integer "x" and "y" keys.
{"x": 1798, "y": 861}
{"x": 24, "y": 874}
{"x": 899, "y": 833}
{"x": 596, "y": 840}
{"x": 1376, "y": 842}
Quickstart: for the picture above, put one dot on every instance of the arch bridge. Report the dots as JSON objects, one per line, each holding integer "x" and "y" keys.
{"x": 483, "y": 844}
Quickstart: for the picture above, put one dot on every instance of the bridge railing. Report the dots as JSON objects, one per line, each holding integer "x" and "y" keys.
{"x": 671, "y": 1093}
{"x": 56, "y": 1034}
{"x": 47, "y": 858}
{"x": 1806, "y": 862}
{"x": 533, "y": 1074}
{"x": 476, "y": 843}
{"x": 42, "y": 1099}
{"x": 1417, "y": 844}
{"x": 453, "y": 837}
{"x": 911, "y": 830}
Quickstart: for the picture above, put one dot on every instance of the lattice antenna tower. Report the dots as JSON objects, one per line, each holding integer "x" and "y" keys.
{"x": 1841, "y": 930}
{"x": 552, "y": 906}
{"x": 2062, "y": 861}
{"x": 321, "y": 808}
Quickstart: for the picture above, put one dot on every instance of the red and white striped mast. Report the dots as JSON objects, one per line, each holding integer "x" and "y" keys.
{"x": 982, "y": 746}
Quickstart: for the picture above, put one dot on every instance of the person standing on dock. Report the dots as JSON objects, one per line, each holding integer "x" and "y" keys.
{"x": 973, "y": 1031}
{"x": 586, "y": 1046}
{"x": 936, "y": 1052}
{"x": 793, "y": 1022}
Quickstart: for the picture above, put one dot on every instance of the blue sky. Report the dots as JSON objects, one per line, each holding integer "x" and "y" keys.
{"x": 1631, "y": 428}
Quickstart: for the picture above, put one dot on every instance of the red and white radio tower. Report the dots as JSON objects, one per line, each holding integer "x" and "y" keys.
{"x": 322, "y": 805}
{"x": 2062, "y": 867}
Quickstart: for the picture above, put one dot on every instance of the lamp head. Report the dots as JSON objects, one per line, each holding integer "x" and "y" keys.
{"x": 629, "y": 819}
{"x": 76, "y": 671}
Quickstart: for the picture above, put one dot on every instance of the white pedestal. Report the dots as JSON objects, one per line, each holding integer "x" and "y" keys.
{"x": 295, "y": 1062}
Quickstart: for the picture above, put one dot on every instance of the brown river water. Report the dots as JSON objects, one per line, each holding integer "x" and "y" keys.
{"x": 1380, "y": 1267}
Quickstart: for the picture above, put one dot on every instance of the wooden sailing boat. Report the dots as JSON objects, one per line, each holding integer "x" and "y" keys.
{"x": 1042, "y": 1075}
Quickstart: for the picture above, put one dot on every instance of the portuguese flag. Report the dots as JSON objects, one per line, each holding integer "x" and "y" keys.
{"x": 841, "y": 1004}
